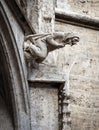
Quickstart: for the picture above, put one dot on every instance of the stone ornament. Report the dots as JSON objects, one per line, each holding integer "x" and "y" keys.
{"x": 37, "y": 46}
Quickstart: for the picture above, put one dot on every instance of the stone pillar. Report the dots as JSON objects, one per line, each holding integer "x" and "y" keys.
{"x": 43, "y": 97}
{"x": 46, "y": 16}
{"x": 41, "y": 15}
{"x": 44, "y": 106}
{"x": 32, "y": 12}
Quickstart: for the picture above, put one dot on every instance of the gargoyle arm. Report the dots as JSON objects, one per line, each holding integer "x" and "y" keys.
{"x": 52, "y": 42}
{"x": 58, "y": 35}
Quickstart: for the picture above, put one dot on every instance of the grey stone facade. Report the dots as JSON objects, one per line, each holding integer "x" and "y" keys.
{"x": 62, "y": 92}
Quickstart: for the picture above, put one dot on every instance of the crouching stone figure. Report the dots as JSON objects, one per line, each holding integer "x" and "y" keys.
{"x": 37, "y": 46}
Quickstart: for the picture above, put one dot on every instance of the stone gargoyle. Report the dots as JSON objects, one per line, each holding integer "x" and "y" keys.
{"x": 37, "y": 46}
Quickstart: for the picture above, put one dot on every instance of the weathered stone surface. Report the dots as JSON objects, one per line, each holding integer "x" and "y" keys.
{"x": 13, "y": 69}
{"x": 86, "y": 7}
{"x": 38, "y": 46}
{"x": 44, "y": 107}
{"x": 84, "y": 78}
{"x": 5, "y": 118}
{"x": 77, "y": 19}
{"x": 77, "y": 65}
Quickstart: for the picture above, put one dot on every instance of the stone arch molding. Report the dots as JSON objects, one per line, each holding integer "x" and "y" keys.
{"x": 15, "y": 74}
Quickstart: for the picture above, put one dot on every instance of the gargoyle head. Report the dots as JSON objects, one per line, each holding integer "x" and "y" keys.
{"x": 70, "y": 38}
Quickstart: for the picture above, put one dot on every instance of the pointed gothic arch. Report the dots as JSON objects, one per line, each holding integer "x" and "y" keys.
{"x": 15, "y": 84}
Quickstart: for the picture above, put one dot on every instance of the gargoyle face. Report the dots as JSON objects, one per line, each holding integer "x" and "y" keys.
{"x": 72, "y": 40}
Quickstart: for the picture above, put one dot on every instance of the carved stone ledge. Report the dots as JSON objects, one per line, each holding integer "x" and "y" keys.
{"x": 76, "y": 19}
{"x": 47, "y": 77}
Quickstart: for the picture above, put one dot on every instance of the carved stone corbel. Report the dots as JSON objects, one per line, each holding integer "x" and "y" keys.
{"x": 37, "y": 46}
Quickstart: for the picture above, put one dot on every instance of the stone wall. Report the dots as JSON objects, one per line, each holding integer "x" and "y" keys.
{"x": 85, "y": 7}
{"x": 77, "y": 65}
{"x": 84, "y": 76}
